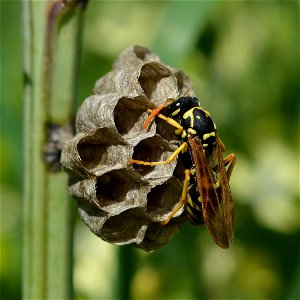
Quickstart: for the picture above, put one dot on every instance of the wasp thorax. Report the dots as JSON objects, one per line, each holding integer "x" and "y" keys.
{"x": 181, "y": 106}
{"x": 197, "y": 122}
{"x": 120, "y": 203}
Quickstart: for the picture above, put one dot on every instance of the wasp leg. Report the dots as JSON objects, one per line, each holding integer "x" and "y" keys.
{"x": 170, "y": 121}
{"x": 183, "y": 198}
{"x": 156, "y": 111}
{"x": 182, "y": 147}
{"x": 229, "y": 160}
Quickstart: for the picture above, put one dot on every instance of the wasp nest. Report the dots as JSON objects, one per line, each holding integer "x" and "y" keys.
{"x": 122, "y": 203}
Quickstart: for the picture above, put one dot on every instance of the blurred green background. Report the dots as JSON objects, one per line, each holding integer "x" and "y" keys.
{"x": 243, "y": 59}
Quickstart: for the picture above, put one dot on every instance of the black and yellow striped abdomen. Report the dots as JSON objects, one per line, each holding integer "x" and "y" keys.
{"x": 194, "y": 206}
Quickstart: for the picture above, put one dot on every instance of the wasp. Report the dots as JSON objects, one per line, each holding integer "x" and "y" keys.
{"x": 206, "y": 192}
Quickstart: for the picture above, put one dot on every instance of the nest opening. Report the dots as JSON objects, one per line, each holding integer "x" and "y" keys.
{"x": 124, "y": 227}
{"x": 157, "y": 235}
{"x": 141, "y": 52}
{"x": 92, "y": 148}
{"x": 163, "y": 198}
{"x": 152, "y": 78}
{"x": 150, "y": 150}
{"x": 127, "y": 114}
{"x": 113, "y": 187}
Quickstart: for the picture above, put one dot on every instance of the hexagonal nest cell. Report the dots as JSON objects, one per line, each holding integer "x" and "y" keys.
{"x": 152, "y": 77}
{"x": 113, "y": 187}
{"x": 128, "y": 116}
{"x": 157, "y": 236}
{"x": 148, "y": 150}
{"x": 93, "y": 147}
{"x": 123, "y": 203}
{"x": 127, "y": 227}
{"x": 163, "y": 198}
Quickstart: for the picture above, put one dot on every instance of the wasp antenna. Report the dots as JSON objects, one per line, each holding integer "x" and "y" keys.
{"x": 156, "y": 111}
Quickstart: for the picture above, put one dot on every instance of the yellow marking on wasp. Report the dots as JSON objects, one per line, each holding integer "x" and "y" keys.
{"x": 192, "y": 131}
{"x": 183, "y": 134}
{"x": 193, "y": 205}
{"x": 198, "y": 117}
{"x": 207, "y": 135}
{"x": 189, "y": 211}
{"x": 205, "y": 145}
{"x": 190, "y": 114}
{"x": 206, "y": 112}
{"x": 217, "y": 184}
{"x": 174, "y": 113}
{"x": 190, "y": 201}
{"x": 193, "y": 215}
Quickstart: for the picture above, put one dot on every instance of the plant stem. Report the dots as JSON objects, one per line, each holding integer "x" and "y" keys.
{"x": 51, "y": 44}
{"x": 126, "y": 269}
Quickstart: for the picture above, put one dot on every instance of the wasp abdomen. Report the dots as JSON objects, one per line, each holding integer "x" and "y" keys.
{"x": 194, "y": 207}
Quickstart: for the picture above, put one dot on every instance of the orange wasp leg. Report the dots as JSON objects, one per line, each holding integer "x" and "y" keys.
{"x": 229, "y": 160}
{"x": 182, "y": 148}
{"x": 171, "y": 122}
{"x": 183, "y": 198}
{"x": 156, "y": 111}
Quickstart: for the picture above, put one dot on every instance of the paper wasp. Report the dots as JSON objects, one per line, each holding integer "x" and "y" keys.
{"x": 206, "y": 192}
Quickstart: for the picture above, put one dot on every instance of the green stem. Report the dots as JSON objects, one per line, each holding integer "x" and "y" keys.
{"x": 51, "y": 44}
{"x": 127, "y": 267}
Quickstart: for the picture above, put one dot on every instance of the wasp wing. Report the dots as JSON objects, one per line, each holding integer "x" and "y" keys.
{"x": 216, "y": 199}
{"x": 225, "y": 194}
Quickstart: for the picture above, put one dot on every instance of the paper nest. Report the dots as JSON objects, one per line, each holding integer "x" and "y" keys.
{"x": 121, "y": 203}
